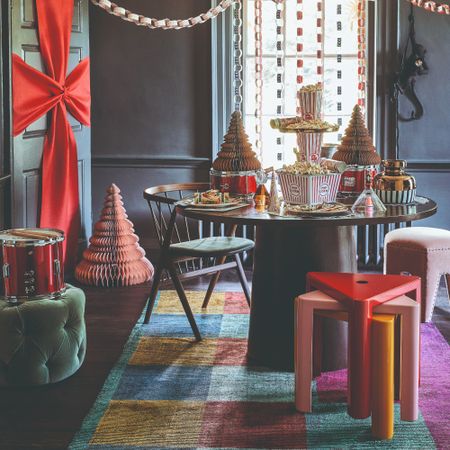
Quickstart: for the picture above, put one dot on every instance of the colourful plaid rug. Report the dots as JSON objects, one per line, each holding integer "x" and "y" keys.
{"x": 167, "y": 391}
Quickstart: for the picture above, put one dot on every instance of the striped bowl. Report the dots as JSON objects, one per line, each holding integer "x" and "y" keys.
{"x": 397, "y": 197}
{"x": 309, "y": 189}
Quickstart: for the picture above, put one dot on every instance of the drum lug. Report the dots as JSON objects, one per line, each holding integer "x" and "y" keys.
{"x": 6, "y": 271}
{"x": 57, "y": 266}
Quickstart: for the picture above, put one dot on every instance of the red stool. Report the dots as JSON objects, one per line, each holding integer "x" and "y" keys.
{"x": 360, "y": 293}
{"x": 313, "y": 304}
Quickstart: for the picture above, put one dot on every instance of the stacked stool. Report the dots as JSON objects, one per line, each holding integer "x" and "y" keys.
{"x": 421, "y": 251}
{"x": 359, "y": 297}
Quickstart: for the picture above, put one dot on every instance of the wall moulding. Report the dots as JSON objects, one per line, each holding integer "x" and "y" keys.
{"x": 151, "y": 162}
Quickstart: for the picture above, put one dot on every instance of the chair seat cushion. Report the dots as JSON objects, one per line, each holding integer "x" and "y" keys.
{"x": 212, "y": 246}
{"x": 420, "y": 238}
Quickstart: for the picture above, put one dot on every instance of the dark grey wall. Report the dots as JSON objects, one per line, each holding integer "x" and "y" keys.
{"x": 151, "y": 103}
{"x": 425, "y": 143}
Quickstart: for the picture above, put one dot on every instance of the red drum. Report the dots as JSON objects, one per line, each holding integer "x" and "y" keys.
{"x": 32, "y": 265}
{"x": 236, "y": 183}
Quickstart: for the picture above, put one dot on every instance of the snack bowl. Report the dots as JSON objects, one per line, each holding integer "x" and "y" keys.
{"x": 299, "y": 189}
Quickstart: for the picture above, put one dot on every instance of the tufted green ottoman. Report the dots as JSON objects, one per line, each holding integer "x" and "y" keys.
{"x": 42, "y": 341}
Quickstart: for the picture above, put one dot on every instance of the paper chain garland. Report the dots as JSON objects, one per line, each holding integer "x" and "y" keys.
{"x": 258, "y": 78}
{"x": 339, "y": 69}
{"x": 320, "y": 42}
{"x": 361, "y": 6}
{"x": 237, "y": 55}
{"x": 178, "y": 24}
{"x": 439, "y": 8}
{"x": 165, "y": 24}
{"x": 299, "y": 48}
{"x": 280, "y": 55}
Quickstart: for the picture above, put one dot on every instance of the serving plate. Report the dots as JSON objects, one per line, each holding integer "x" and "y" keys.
{"x": 323, "y": 210}
{"x": 232, "y": 202}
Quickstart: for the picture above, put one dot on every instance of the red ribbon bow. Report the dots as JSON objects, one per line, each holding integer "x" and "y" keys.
{"x": 35, "y": 94}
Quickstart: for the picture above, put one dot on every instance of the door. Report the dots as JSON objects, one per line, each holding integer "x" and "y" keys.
{"x": 5, "y": 172}
{"x": 27, "y": 148}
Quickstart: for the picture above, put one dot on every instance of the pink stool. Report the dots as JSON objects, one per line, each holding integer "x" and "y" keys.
{"x": 409, "y": 310}
{"x": 421, "y": 251}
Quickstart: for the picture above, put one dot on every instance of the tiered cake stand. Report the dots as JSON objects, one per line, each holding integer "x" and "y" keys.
{"x": 308, "y": 189}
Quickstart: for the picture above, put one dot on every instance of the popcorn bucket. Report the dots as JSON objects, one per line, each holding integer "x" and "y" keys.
{"x": 310, "y": 104}
{"x": 309, "y": 146}
{"x": 309, "y": 189}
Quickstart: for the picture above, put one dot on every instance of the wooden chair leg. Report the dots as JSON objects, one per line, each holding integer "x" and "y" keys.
{"x": 212, "y": 283}
{"x": 153, "y": 293}
{"x": 184, "y": 301}
{"x": 242, "y": 278}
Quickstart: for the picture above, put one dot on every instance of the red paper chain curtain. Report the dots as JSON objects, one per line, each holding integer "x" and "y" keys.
{"x": 35, "y": 94}
{"x": 299, "y": 48}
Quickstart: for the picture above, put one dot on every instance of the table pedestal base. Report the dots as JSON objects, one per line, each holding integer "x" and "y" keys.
{"x": 282, "y": 258}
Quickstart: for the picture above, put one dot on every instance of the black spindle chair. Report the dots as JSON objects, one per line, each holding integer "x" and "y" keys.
{"x": 185, "y": 252}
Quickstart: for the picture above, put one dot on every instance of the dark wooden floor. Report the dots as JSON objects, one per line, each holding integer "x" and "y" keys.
{"x": 48, "y": 417}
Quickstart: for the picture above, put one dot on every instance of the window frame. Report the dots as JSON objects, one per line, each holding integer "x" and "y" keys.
{"x": 222, "y": 71}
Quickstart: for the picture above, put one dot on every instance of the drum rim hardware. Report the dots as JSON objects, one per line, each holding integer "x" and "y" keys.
{"x": 36, "y": 239}
{"x": 14, "y": 300}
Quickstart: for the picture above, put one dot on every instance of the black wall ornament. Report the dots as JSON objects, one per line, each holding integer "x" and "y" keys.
{"x": 412, "y": 66}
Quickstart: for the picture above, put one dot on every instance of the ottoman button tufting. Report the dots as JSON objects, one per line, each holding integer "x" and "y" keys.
{"x": 31, "y": 333}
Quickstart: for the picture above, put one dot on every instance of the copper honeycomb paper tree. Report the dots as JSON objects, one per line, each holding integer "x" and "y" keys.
{"x": 114, "y": 256}
{"x": 236, "y": 154}
{"x": 357, "y": 147}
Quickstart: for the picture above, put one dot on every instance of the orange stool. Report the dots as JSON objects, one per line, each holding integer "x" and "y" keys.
{"x": 382, "y": 362}
{"x": 408, "y": 310}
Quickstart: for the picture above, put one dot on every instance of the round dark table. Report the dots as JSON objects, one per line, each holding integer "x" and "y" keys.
{"x": 286, "y": 249}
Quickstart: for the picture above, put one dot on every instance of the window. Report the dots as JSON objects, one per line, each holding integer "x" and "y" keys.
{"x": 279, "y": 58}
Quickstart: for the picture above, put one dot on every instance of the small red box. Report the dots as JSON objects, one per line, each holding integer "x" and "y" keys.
{"x": 236, "y": 183}
{"x": 354, "y": 178}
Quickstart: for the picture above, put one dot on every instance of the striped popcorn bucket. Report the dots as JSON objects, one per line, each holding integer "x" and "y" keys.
{"x": 309, "y": 189}
{"x": 309, "y": 146}
{"x": 310, "y": 104}
{"x": 397, "y": 197}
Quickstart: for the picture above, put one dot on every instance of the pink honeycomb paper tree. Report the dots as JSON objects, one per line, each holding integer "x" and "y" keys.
{"x": 114, "y": 256}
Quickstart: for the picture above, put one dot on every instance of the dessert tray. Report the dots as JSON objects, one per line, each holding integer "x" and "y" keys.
{"x": 322, "y": 210}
